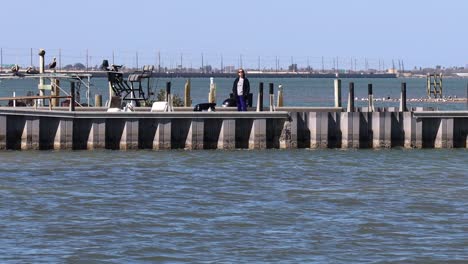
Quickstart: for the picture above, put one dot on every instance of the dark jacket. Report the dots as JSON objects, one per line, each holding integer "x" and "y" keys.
{"x": 245, "y": 87}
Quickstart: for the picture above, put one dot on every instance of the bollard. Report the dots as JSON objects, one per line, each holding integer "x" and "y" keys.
{"x": 72, "y": 98}
{"x": 260, "y": 97}
{"x": 403, "y": 98}
{"x": 351, "y": 98}
{"x": 272, "y": 97}
{"x": 14, "y": 100}
{"x": 337, "y": 93}
{"x": 371, "y": 98}
{"x": 280, "y": 96}
{"x": 98, "y": 100}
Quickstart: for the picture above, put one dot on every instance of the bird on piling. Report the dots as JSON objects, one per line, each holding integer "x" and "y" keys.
{"x": 31, "y": 70}
{"x": 53, "y": 64}
{"x": 15, "y": 69}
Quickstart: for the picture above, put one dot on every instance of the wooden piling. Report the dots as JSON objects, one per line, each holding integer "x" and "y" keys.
{"x": 403, "y": 107}
{"x": 271, "y": 97}
{"x": 370, "y": 98}
{"x": 337, "y": 92}
{"x": 260, "y": 97}
{"x": 98, "y": 100}
{"x": 280, "y": 96}
{"x": 351, "y": 97}
{"x": 72, "y": 98}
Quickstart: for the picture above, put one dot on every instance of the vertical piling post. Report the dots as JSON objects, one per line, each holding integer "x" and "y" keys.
{"x": 371, "y": 97}
{"x": 280, "y": 96}
{"x": 187, "y": 100}
{"x": 98, "y": 100}
{"x": 72, "y": 98}
{"x": 168, "y": 97}
{"x": 272, "y": 97}
{"x": 212, "y": 93}
{"x": 351, "y": 97}
{"x": 260, "y": 97}
{"x": 168, "y": 91}
{"x": 41, "y": 79}
{"x": 55, "y": 91}
{"x": 403, "y": 98}
{"x": 337, "y": 93}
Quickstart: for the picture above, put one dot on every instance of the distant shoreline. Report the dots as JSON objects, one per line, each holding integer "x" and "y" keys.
{"x": 234, "y": 75}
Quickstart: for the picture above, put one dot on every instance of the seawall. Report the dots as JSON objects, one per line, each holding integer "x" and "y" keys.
{"x": 287, "y": 128}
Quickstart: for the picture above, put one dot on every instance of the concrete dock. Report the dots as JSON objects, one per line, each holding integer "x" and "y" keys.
{"x": 287, "y": 128}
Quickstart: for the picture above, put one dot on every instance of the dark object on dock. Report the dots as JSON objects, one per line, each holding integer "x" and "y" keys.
{"x": 105, "y": 65}
{"x": 131, "y": 89}
{"x": 204, "y": 107}
{"x": 230, "y": 102}
{"x": 31, "y": 70}
{"x": 18, "y": 103}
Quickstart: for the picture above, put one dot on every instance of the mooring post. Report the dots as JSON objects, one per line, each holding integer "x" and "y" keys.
{"x": 272, "y": 97}
{"x": 41, "y": 79}
{"x": 351, "y": 97}
{"x": 403, "y": 98}
{"x": 72, "y": 96}
{"x": 260, "y": 97}
{"x": 187, "y": 100}
{"x": 98, "y": 100}
{"x": 337, "y": 93}
{"x": 280, "y": 96}
{"x": 168, "y": 91}
{"x": 371, "y": 98}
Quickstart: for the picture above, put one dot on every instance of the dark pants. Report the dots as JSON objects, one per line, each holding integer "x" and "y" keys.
{"x": 241, "y": 103}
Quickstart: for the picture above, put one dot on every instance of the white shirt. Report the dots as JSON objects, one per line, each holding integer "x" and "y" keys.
{"x": 240, "y": 84}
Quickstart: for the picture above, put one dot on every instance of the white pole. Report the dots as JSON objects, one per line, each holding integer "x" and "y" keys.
{"x": 42, "y": 53}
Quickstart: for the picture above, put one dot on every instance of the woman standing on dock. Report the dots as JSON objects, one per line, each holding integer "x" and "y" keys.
{"x": 240, "y": 89}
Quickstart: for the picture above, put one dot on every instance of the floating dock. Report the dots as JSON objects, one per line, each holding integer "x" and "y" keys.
{"x": 23, "y": 128}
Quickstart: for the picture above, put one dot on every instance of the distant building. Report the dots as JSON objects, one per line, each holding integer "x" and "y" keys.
{"x": 230, "y": 68}
{"x": 293, "y": 67}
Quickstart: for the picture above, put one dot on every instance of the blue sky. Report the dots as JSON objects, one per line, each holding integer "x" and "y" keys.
{"x": 421, "y": 33}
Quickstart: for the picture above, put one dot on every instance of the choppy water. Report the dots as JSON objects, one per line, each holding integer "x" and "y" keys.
{"x": 297, "y": 91}
{"x": 273, "y": 206}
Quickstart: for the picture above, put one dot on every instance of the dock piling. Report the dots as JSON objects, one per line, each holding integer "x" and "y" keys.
{"x": 272, "y": 97}
{"x": 72, "y": 98}
{"x": 187, "y": 100}
{"x": 403, "y": 107}
{"x": 168, "y": 90}
{"x": 98, "y": 100}
{"x": 351, "y": 97}
{"x": 280, "y": 96}
{"x": 260, "y": 97}
{"x": 337, "y": 93}
{"x": 371, "y": 98}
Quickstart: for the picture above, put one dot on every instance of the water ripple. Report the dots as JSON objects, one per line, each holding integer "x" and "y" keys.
{"x": 340, "y": 206}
